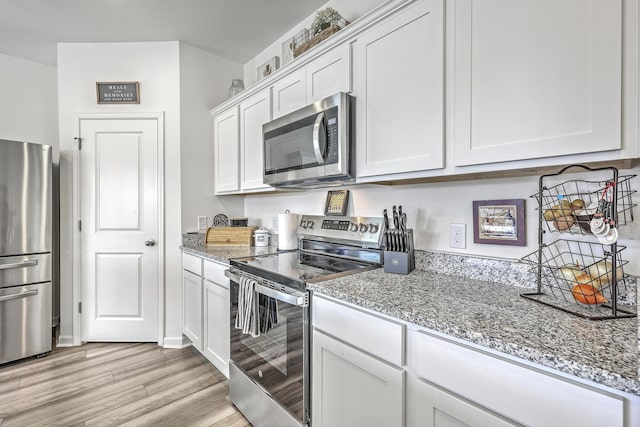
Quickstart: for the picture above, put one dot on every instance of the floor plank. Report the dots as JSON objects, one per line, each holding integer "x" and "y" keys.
{"x": 116, "y": 384}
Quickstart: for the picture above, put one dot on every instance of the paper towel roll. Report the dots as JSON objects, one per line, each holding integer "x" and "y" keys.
{"x": 287, "y": 236}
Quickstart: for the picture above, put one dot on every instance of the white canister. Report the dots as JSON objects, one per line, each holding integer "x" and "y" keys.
{"x": 261, "y": 237}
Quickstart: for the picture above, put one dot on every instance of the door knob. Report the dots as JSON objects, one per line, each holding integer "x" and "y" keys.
{"x": 150, "y": 242}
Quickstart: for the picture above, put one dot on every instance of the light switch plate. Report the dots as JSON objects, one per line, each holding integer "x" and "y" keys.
{"x": 458, "y": 236}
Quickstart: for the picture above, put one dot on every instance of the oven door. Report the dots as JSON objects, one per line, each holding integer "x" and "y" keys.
{"x": 278, "y": 358}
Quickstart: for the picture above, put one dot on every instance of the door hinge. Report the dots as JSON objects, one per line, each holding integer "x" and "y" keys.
{"x": 80, "y": 307}
{"x": 79, "y": 141}
{"x": 80, "y": 225}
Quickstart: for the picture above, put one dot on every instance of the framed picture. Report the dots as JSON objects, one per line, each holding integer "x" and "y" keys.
{"x": 118, "y": 92}
{"x": 268, "y": 67}
{"x": 499, "y": 222}
{"x": 287, "y": 50}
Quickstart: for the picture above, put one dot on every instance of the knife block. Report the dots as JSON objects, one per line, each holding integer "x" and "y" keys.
{"x": 399, "y": 262}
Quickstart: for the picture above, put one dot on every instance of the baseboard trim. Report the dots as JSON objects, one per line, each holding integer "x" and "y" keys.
{"x": 65, "y": 341}
{"x": 176, "y": 342}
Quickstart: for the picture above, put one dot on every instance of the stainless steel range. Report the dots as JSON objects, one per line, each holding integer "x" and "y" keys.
{"x": 269, "y": 370}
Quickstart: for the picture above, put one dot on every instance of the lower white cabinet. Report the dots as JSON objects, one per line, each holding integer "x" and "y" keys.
{"x": 357, "y": 379}
{"x": 216, "y": 316}
{"x": 192, "y": 307}
{"x": 205, "y": 302}
{"x": 438, "y": 408}
{"x": 457, "y": 382}
{"x": 372, "y": 370}
{"x": 353, "y": 388}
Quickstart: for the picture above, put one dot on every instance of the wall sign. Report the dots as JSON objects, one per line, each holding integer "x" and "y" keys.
{"x": 118, "y": 92}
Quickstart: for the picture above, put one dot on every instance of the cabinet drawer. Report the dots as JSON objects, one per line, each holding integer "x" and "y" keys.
{"x": 375, "y": 335}
{"x": 192, "y": 263}
{"x": 214, "y": 272}
{"x": 513, "y": 390}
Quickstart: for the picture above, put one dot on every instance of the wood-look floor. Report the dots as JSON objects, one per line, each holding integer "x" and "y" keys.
{"x": 109, "y": 384}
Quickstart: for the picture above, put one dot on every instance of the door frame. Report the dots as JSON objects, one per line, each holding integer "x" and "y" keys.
{"x": 75, "y": 216}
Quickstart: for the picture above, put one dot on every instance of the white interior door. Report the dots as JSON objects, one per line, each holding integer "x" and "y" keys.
{"x": 119, "y": 213}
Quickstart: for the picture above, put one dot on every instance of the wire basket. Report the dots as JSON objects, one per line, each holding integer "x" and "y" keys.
{"x": 568, "y": 207}
{"x": 306, "y": 40}
{"x": 579, "y": 277}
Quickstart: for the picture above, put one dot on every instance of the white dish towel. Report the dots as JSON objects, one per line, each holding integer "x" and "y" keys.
{"x": 247, "y": 317}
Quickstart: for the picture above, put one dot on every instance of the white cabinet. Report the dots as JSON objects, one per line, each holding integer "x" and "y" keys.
{"x": 205, "y": 299}
{"x": 399, "y": 77}
{"x": 326, "y": 75}
{"x": 226, "y": 151}
{"x": 216, "y": 316}
{"x": 464, "y": 382}
{"x": 533, "y": 78}
{"x": 438, "y": 408}
{"x": 192, "y": 299}
{"x": 360, "y": 383}
{"x": 254, "y": 112}
{"x": 352, "y": 388}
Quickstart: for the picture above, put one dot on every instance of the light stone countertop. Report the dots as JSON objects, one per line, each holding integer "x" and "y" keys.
{"x": 479, "y": 300}
{"x": 495, "y": 316}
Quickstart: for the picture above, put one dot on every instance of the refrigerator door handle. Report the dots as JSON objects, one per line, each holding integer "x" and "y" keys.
{"x": 27, "y": 263}
{"x": 20, "y": 295}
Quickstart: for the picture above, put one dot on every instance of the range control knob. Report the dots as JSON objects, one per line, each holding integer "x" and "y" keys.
{"x": 353, "y": 226}
{"x": 373, "y": 228}
{"x": 363, "y": 227}
{"x": 310, "y": 225}
{"x": 303, "y": 224}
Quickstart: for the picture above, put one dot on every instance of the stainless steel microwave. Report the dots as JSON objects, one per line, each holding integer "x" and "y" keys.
{"x": 311, "y": 147}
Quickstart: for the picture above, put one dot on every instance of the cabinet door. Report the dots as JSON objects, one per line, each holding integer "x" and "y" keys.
{"x": 399, "y": 82}
{"x": 437, "y": 408}
{"x": 329, "y": 74}
{"x": 226, "y": 151}
{"x": 192, "y": 307}
{"x": 216, "y": 325}
{"x": 351, "y": 388}
{"x": 254, "y": 112}
{"x": 527, "y": 83}
{"x": 289, "y": 93}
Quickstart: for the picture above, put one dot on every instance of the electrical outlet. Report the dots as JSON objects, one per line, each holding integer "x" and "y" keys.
{"x": 202, "y": 223}
{"x": 458, "y": 236}
{"x": 274, "y": 223}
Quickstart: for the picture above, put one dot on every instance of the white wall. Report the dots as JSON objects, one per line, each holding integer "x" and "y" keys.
{"x": 348, "y": 9}
{"x": 29, "y": 112}
{"x": 156, "y": 66}
{"x": 204, "y": 83}
{"x": 432, "y": 207}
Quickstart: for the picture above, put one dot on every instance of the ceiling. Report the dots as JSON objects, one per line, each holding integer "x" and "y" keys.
{"x": 234, "y": 29}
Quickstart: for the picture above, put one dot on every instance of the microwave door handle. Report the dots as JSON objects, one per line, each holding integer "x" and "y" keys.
{"x": 319, "y": 138}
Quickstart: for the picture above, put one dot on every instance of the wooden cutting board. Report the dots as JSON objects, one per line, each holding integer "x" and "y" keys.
{"x": 230, "y": 236}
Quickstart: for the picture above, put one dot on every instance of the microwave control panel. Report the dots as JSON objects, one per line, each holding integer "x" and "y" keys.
{"x": 332, "y": 135}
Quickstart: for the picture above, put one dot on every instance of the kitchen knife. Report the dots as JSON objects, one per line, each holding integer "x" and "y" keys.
{"x": 387, "y": 240}
{"x": 395, "y": 216}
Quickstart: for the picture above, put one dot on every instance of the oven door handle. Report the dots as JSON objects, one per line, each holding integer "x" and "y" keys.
{"x": 300, "y": 299}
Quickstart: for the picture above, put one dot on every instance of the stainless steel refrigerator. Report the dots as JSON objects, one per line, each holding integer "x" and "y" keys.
{"x": 25, "y": 250}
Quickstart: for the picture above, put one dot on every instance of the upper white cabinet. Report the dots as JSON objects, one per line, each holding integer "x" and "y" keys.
{"x": 225, "y": 134}
{"x": 324, "y": 76}
{"x": 399, "y": 86}
{"x": 534, "y": 78}
{"x": 254, "y": 112}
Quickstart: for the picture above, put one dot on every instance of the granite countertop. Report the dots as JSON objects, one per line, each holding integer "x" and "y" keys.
{"x": 225, "y": 253}
{"x": 494, "y": 315}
